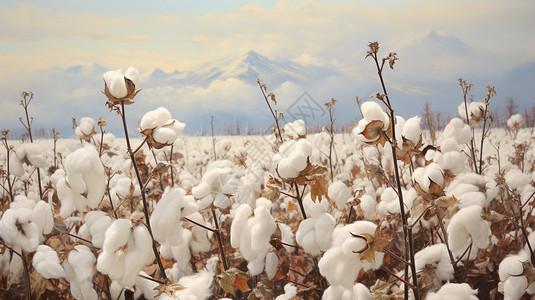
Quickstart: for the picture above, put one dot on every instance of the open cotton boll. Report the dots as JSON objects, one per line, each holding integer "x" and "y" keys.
{"x": 516, "y": 179}
{"x": 97, "y": 222}
{"x": 139, "y": 254}
{"x": 15, "y": 166}
{"x": 286, "y": 169}
{"x": 70, "y": 200}
{"x": 454, "y": 291}
{"x": 79, "y": 272}
{"x": 46, "y": 262}
{"x": 164, "y": 135}
{"x": 42, "y": 217}
{"x": 339, "y": 193}
{"x": 298, "y": 160}
{"x": 86, "y": 127}
{"x": 272, "y": 263}
{"x": 17, "y": 230}
{"x": 115, "y": 82}
{"x": 155, "y": 118}
{"x": 468, "y": 223}
{"x": 411, "y": 130}
{"x": 372, "y": 111}
{"x": 435, "y": 255}
{"x": 314, "y": 234}
{"x": 33, "y": 154}
{"x": 295, "y": 129}
{"x": 514, "y": 121}
{"x": 176, "y": 126}
{"x": 423, "y": 176}
{"x": 457, "y": 129}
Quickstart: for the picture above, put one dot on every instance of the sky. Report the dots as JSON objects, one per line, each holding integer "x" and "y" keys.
{"x": 36, "y": 36}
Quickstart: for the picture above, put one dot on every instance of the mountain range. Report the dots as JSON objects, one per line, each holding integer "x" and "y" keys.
{"x": 427, "y": 71}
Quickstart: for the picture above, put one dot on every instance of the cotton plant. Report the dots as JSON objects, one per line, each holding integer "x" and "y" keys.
{"x": 314, "y": 233}
{"x": 126, "y": 249}
{"x": 84, "y": 183}
{"x": 353, "y": 248}
{"x": 251, "y": 232}
{"x": 159, "y": 128}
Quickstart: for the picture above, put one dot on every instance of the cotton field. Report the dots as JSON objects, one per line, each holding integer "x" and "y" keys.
{"x": 386, "y": 211}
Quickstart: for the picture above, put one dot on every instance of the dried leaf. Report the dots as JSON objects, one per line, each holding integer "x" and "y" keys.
{"x": 446, "y": 202}
{"x": 232, "y": 279}
{"x": 160, "y": 169}
{"x": 318, "y": 188}
{"x": 38, "y": 284}
{"x": 168, "y": 288}
{"x": 374, "y": 244}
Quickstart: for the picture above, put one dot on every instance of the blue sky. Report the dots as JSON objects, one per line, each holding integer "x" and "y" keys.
{"x": 178, "y": 35}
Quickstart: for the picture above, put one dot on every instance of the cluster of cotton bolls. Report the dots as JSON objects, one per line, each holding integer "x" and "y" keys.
{"x": 160, "y": 128}
{"x": 122, "y": 187}
{"x": 341, "y": 264}
{"x": 126, "y": 249}
{"x": 25, "y": 221}
{"x": 30, "y": 154}
{"x": 314, "y": 233}
{"x": 84, "y": 182}
{"x": 292, "y": 158}
{"x": 86, "y": 129}
{"x": 251, "y": 231}
{"x": 450, "y": 157}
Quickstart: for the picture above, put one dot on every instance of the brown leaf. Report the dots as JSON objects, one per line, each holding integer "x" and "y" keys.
{"x": 318, "y": 188}
{"x": 374, "y": 244}
{"x": 160, "y": 169}
{"x": 374, "y": 131}
{"x": 232, "y": 279}
{"x": 446, "y": 202}
{"x": 169, "y": 288}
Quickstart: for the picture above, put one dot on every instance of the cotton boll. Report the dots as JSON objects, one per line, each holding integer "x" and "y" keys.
{"x": 33, "y": 154}
{"x": 454, "y": 291}
{"x": 139, "y": 254}
{"x": 15, "y": 166}
{"x": 436, "y": 255}
{"x": 295, "y": 129}
{"x": 287, "y": 236}
{"x": 459, "y": 130}
{"x": 286, "y": 169}
{"x": 304, "y": 146}
{"x": 373, "y": 111}
{"x": 516, "y": 179}
{"x": 46, "y": 262}
{"x": 362, "y": 292}
{"x": 339, "y": 193}
{"x": 79, "y": 272}
{"x": 338, "y": 292}
{"x": 411, "y": 130}
{"x": 176, "y": 126}
{"x": 42, "y": 217}
{"x": 97, "y": 223}
{"x": 467, "y": 223}
{"x": 70, "y": 200}
{"x": 155, "y": 118}
{"x": 164, "y": 135}
{"x": 240, "y": 219}
{"x": 424, "y": 176}
{"x": 86, "y": 127}
{"x": 115, "y": 82}
{"x": 298, "y": 160}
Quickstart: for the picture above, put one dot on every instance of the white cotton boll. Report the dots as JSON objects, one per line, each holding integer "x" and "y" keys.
{"x": 87, "y": 126}
{"x": 435, "y": 255}
{"x": 306, "y": 238}
{"x": 295, "y": 129}
{"x": 516, "y": 179}
{"x": 298, "y": 160}
{"x": 304, "y": 146}
{"x": 97, "y": 222}
{"x": 132, "y": 74}
{"x": 286, "y": 169}
{"x": 324, "y": 227}
{"x": 353, "y": 246}
{"x": 400, "y": 122}
{"x": 459, "y": 130}
{"x": 287, "y": 236}
{"x": 411, "y": 130}
{"x": 200, "y": 191}
{"x": 164, "y": 135}
{"x": 46, "y": 262}
{"x": 472, "y": 198}
{"x": 515, "y": 287}
{"x": 367, "y": 204}
{"x": 33, "y": 153}
{"x": 423, "y": 176}
{"x": 338, "y": 292}
{"x": 145, "y": 286}
{"x": 372, "y": 111}
{"x": 314, "y": 208}
{"x": 155, "y": 118}
{"x": 449, "y": 144}
{"x": 272, "y": 263}
{"x": 511, "y": 266}
{"x": 339, "y": 193}
{"x": 70, "y": 200}
{"x": 15, "y": 166}
{"x": 139, "y": 254}
{"x": 42, "y": 217}
{"x": 454, "y": 291}
{"x": 290, "y": 291}
{"x": 514, "y": 121}
{"x": 467, "y": 223}
{"x": 79, "y": 272}
{"x": 115, "y": 83}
